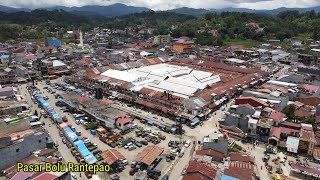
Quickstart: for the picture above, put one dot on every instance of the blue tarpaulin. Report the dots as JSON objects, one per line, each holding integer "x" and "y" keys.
{"x": 70, "y": 134}
{"x": 83, "y": 150}
{"x": 54, "y": 42}
{"x": 90, "y": 159}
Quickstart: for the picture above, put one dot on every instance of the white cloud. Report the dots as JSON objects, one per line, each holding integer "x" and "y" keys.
{"x": 167, "y": 4}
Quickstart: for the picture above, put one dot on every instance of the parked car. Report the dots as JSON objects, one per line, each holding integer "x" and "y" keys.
{"x": 165, "y": 177}
{"x": 130, "y": 148}
{"x": 96, "y": 152}
{"x": 133, "y": 164}
{"x": 144, "y": 142}
{"x": 187, "y": 144}
{"x": 138, "y": 144}
{"x": 115, "y": 177}
{"x": 127, "y": 146}
{"x": 133, "y": 171}
{"x": 265, "y": 158}
{"x": 123, "y": 162}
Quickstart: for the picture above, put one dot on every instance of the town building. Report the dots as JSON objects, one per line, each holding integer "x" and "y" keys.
{"x": 17, "y": 145}
{"x": 217, "y": 142}
{"x": 162, "y": 39}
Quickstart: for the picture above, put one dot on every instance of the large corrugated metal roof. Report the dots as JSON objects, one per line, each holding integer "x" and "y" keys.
{"x": 149, "y": 154}
{"x": 112, "y": 155}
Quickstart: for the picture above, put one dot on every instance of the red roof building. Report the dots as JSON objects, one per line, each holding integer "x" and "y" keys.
{"x": 200, "y": 169}
{"x": 149, "y": 154}
{"x": 241, "y": 157}
{"x": 211, "y": 153}
{"x": 253, "y": 101}
{"x": 110, "y": 156}
{"x": 124, "y": 122}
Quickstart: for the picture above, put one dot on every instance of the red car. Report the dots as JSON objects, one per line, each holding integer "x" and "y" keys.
{"x": 133, "y": 171}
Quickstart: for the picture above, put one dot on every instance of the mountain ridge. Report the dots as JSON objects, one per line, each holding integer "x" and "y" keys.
{"x": 119, "y": 9}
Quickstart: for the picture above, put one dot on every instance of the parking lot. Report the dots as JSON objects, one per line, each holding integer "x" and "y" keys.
{"x": 131, "y": 155}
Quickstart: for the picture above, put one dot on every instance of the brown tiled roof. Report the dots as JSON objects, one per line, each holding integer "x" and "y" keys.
{"x": 241, "y": 170}
{"x": 310, "y": 100}
{"x": 241, "y": 157}
{"x": 111, "y": 155}
{"x": 210, "y": 152}
{"x": 149, "y": 154}
{"x": 197, "y": 167}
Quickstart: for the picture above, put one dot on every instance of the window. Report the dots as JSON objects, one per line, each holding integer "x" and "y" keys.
{"x": 39, "y": 140}
{"x": 17, "y": 150}
{"x": 46, "y": 138}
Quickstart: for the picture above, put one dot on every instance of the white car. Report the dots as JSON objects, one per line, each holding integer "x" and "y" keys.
{"x": 187, "y": 144}
{"x": 134, "y": 125}
{"x": 148, "y": 130}
{"x": 129, "y": 144}
{"x": 156, "y": 133}
{"x": 124, "y": 162}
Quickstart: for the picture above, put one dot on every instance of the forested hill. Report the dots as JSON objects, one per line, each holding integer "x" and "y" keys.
{"x": 229, "y": 25}
{"x": 58, "y": 17}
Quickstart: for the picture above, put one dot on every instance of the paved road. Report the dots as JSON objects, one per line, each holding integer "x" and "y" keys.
{"x": 52, "y": 130}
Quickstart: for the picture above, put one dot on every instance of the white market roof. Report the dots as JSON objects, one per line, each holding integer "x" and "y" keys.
{"x": 280, "y": 83}
{"x": 57, "y": 63}
{"x": 235, "y": 60}
{"x": 121, "y": 75}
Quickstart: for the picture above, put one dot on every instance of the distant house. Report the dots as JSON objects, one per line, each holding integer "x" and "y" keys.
{"x": 162, "y": 39}
{"x": 255, "y": 102}
{"x": 4, "y": 59}
{"x": 216, "y": 141}
{"x": 48, "y": 49}
{"x": 183, "y": 44}
{"x": 124, "y": 122}
{"x": 197, "y": 170}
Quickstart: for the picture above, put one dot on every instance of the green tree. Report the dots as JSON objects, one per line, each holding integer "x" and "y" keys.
{"x": 209, "y": 16}
{"x": 289, "y": 111}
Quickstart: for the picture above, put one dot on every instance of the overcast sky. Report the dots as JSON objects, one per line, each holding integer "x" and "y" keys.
{"x": 167, "y": 4}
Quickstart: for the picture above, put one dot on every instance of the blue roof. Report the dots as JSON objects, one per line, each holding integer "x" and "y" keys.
{"x": 83, "y": 150}
{"x": 4, "y": 56}
{"x": 55, "y": 42}
{"x": 90, "y": 159}
{"x": 225, "y": 177}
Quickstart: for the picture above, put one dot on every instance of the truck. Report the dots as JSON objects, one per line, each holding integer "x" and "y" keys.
{"x": 93, "y": 132}
{"x": 78, "y": 133}
{"x": 103, "y": 138}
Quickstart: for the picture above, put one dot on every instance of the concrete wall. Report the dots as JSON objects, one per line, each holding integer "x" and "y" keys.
{"x": 15, "y": 152}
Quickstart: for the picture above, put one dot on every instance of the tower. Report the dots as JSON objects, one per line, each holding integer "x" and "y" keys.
{"x": 81, "y": 40}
